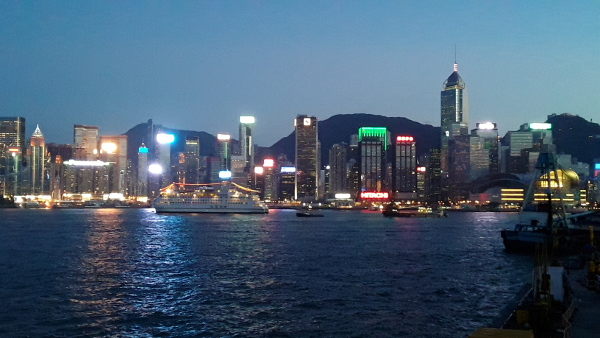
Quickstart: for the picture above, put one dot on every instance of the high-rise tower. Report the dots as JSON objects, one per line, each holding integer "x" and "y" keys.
{"x": 454, "y": 112}
{"x": 246, "y": 140}
{"x": 37, "y": 158}
{"x": 307, "y": 157}
{"x": 12, "y": 150}
{"x": 85, "y": 142}
{"x": 454, "y": 123}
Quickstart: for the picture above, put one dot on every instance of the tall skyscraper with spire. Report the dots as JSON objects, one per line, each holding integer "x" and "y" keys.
{"x": 37, "y": 158}
{"x": 454, "y": 123}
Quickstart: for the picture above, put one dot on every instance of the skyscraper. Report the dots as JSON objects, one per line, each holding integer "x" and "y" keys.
{"x": 454, "y": 119}
{"x": 224, "y": 151}
{"x": 113, "y": 149}
{"x": 338, "y": 175}
{"x": 405, "y": 165}
{"x": 484, "y": 152}
{"x": 85, "y": 142}
{"x": 192, "y": 159}
{"x": 142, "y": 174}
{"x": 37, "y": 161}
{"x": 246, "y": 140}
{"x": 373, "y": 145}
{"x": 12, "y": 150}
{"x": 307, "y": 157}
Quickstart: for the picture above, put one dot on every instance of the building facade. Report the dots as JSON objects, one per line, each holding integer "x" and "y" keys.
{"x": 307, "y": 157}
{"x": 405, "y": 168}
{"x": 373, "y": 145}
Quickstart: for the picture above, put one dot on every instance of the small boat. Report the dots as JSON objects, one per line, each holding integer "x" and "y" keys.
{"x": 308, "y": 212}
{"x": 414, "y": 211}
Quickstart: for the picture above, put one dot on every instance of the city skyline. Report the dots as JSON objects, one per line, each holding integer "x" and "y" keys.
{"x": 117, "y": 65}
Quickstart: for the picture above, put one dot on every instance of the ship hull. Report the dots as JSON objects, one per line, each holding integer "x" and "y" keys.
{"x": 208, "y": 209}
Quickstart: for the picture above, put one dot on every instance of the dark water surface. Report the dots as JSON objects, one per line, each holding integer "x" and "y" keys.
{"x": 133, "y": 273}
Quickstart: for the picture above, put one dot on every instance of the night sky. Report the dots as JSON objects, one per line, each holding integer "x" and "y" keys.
{"x": 199, "y": 65}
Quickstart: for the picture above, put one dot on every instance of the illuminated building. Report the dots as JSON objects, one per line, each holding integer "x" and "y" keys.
{"x": 405, "y": 164}
{"x": 246, "y": 141}
{"x": 526, "y": 144}
{"x": 484, "y": 152}
{"x": 287, "y": 183}
{"x": 224, "y": 150}
{"x": 454, "y": 122}
{"x": 372, "y": 143}
{"x": 459, "y": 161}
{"x": 37, "y": 162}
{"x": 307, "y": 157}
{"x": 421, "y": 184}
{"x": 213, "y": 167}
{"x": 338, "y": 176}
{"x": 433, "y": 181}
{"x": 12, "y": 150}
{"x": 163, "y": 147}
{"x": 85, "y": 142}
{"x": 142, "y": 173}
{"x": 269, "y": 189}
{"x": 113, "y": 149}
{"x": 192, "y": 159}
{"x": 65, "y": 151}
{"x": 86, "y": 177}
{"x": 454, "y": 112}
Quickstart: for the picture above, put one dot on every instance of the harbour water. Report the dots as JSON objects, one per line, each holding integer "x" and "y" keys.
{"x": 135, "y": 273}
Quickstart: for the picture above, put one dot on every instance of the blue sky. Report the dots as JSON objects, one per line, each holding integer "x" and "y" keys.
{"x": 199, "y": 65}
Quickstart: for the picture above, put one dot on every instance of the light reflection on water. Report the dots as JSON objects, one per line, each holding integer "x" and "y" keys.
{"x": 116, "y": 272}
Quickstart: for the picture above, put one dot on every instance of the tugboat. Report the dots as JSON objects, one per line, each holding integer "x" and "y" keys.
{"x": 307, "y": 211}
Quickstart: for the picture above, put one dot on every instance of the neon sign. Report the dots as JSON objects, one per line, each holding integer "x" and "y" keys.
{"x": 404, "y": 139}
{"x": 374, "y": 195}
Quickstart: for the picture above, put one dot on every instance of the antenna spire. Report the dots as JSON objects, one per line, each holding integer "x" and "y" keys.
{"x": 455, "y": 64}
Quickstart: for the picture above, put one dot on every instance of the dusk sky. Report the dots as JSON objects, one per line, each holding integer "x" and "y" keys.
{"x": 199, "y": 65}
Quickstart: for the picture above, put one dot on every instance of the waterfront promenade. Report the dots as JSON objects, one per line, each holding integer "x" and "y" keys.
{"x": 586, "y": 320}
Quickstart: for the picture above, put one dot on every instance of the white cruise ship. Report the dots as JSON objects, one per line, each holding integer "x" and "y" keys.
{"x": 225, "y": 197}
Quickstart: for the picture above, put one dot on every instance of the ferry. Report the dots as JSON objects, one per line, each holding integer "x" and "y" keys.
{"x": 223, "y": 198}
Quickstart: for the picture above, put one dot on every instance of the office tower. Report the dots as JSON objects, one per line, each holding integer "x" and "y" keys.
{"x": 142, "y": 174}
{"x": 246, "y": 141}
{"x": 213, "y": 167}
{"x": 526, "y": 143}
{"x": 459, "y": 162}
{"x": 421, "y": 184}
{"x": 113, "y": 149}
{"x": 338, "y": 175}
{"x": 85, "y": 142}
{"x": 65, "y": 151}
{"x": 307, "y": 157}
{"x": 37, "y": 162}
{"x": 12, "y": 150}
{"x": 57, "y": 175}
{"x": 163, "y": 148}
{"x": 86, "y": 179}
{"x": 287, "y": 183}
{"x": 269, "y": 188}
{"x": 192, "y": 159}
{"x": 484, "y": 152}
{"x": 373, "y": 144}
{"x": 454, "y": 122}
{"x": 224, "y": 151}
{"x": 405, "y": 165}
{"x": 433, "y": 180}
